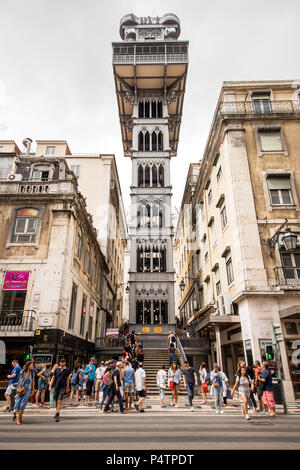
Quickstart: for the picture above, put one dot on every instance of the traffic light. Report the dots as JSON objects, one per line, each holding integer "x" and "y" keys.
{"x": 269, "y": 353}
{"x": 277, "y": 332}
{"x": 28, "y": 353}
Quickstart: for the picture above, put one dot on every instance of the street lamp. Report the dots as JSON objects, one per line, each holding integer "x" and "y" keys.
{"x": 127, "y": 289}
{"x": 289, "y": 239}
{"x": 182, "y": 285}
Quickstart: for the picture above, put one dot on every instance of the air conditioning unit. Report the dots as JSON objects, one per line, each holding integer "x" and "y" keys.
{"x": 15, "y": 177}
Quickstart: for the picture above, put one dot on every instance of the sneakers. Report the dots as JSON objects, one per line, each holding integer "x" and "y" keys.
{"x": 176, "y": 406}
{"x": 217, "y": 412}
{"x": 56, "y": 417}
{"x": 136, "y": 407}
{"x": 172, "y": 404}
{"x": 142, "y": 410}
{"x": 221, "y": 412}
{"x": 192, "y": 408}
{"x": 247, "y": 417}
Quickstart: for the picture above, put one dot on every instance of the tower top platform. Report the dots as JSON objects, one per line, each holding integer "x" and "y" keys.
{"x": 133, "y": 28}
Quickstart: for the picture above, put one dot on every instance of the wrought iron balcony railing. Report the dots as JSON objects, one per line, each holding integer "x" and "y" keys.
{"x": 17, "y": 320}
{"x": 150, "y": 58}
{"x": 259, "y": 107}
{"x": 287, "y": 276}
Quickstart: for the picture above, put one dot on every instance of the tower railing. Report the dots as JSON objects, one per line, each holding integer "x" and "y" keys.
{"x": 150, "y": 58}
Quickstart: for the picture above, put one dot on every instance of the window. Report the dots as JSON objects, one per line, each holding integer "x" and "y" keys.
{"x": 212, "y": 232}
{"x": 280, "y": 189}
{"x": 219, "y": 173}
{"x": 261, "y": 102}
{"x": 223, "y": 216}
{"x": 209, "y": 196}
{"x": 40, "y": 175}
{"x": 270, "y": 140}
{"x": 217, "y": 281}
{"x": 87, "y": 260}
{"x": 229, "y": 271}
{"x": 5, "y": 166}
{"x": 83, "y": 314}
{"x": 291, "y": 267}
{"x": 50, "y": 150}
{"x": 25, "y": 228}
{"x": 73, "y": 306}
{"x": 79, "y": 243}
{"x": 75, "y": 169}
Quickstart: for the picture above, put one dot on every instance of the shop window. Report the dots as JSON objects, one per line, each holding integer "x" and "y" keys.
{"x": 25, "y": 227}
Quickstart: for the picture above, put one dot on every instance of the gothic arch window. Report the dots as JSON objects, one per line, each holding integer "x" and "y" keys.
{"x": 160, "y": 141}
{"x": 147, "y": 176}
{"x": 139, "y": 216}
{"x": 141, "y": 109}
{"x": 140, "y": 176}
{"x": 164, "y": 311}
{"x": 154, "y": 141}
{"x": 147, "y": 216}
{"x": 147, "y": 141}
{"x": 154, "y": 176}
{"x": 141, "y": 140}
{"x": 139, "y": 311}
{"x": 155, "y": 215}
{"x": 159, "y": 109}
{"x": 147, "y": 109}
{"x": 161, "y": 176}
{"x": 153, "y": 109}
{"x": 161, "y": 216}
{"x": 147, "y": 312}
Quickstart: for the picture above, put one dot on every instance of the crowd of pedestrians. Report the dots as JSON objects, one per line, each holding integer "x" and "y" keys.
{"x": 124, "y": 381}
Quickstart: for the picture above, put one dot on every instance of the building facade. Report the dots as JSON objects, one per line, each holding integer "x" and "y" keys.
{"x": 248, "y": 184}
{"x": 150, "y": 67}
{"x": 51, "y": 266}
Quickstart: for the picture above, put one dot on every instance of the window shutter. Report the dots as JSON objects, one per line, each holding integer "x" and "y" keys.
{"x": 279, "y": 182}
{"x": 270, "y": 140}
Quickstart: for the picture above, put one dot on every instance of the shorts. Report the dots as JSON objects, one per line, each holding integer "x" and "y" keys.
{"x": 59, "y": 394}
{"x": 42, "y": 385}
{"x": 161, "y": 393}
{"x": 74, "y": 387}
{"x": 98, "y": 384}
{"x": 89, "y": 387}
{"x": 142, "y": 393}
{"x": 128, "y": 388}
{"x": 82, "y": 386}
{"x": 269, "y": 399}
{"x": 10, "y": 388}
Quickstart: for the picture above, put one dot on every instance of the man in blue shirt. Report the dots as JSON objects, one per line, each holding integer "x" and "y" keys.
{"x": 128, "y": 377}
{"x": 13, "y": 381}
{"x": 89, "y": 377}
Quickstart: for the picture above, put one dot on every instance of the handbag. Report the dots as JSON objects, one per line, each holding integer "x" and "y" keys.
{"x": 162, "y": 386}
{"x": 171, "y": 384}
{"x": 204, "y": 387}
{"x": 21, "y": 391}
{"x": 229, "y": 394}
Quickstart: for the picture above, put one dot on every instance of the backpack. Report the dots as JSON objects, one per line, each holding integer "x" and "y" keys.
{"x": 173, "y": 339}
{"x": 75, "y": 378}
{"x": 110, "y": 380}
{"x": 207, "y": 380}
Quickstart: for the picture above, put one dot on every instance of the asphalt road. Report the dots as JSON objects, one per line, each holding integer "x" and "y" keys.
{"x": 150, "y": 431}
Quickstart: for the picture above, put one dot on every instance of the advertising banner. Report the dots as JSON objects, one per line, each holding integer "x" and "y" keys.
{"x": 16, "y": 280}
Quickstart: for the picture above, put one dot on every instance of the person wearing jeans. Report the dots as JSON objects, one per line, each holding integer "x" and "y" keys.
{"x": 115, "y": 388}
{"x": 217, "y": 378}
{"x": 190, "y": 379}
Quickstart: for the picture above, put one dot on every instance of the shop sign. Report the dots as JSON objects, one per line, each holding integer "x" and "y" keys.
{"x": 16, "y": 280}
{"x": 42, "y": 358}
{"x": 46, "y": 321}
{"x": 112, "y": 331}
{"x": 158, "y": 329}
{"x": 146, "y": 329}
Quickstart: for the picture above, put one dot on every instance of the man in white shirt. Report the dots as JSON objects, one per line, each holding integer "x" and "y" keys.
{"x": 161, "y": 379}
{"x": 140, "y": 384}
{"x": 99, "y": 380}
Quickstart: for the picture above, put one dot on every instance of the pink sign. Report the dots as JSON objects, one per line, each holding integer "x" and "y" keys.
{"x": 16, "y": 280}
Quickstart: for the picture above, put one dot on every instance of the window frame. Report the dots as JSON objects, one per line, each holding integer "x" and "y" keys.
{"x": 14, "y": 236}
{"x": 277, "y": 127}
{"x": 52, "y": 147}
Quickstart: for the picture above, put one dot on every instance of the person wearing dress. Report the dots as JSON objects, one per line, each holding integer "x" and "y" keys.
{"x": 26, "y": 380}
{"x": 243, "y": 383}
{"x": 204, "y": 379}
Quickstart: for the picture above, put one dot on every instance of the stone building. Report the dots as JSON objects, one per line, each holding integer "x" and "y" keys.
{"x": 150, "y": 67}
{"x": 248, "y": 184}
{"x": 52, "y": 270}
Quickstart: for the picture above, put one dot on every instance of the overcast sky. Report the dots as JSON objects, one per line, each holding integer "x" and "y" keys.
{"x": 56, "y": 79}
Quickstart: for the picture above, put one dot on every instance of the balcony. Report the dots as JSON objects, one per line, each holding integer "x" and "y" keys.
{"x": 37, "y": 187}
{"x": 287, "y": 277}
{"x": 179, "y": 58}
{"x": 14, "y": 321}
{"x": 258, "y": 107}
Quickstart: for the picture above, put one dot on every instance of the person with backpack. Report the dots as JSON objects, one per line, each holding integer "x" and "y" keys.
{"x": 128, "y": 377}
{"x": 190, "y": 380}
{"x": 204, "y": 380}
{"x": 243, "y": 383}
{"x": 89, "y": 379}
{"x": 74, "y": 382}
{"x": 172, "y": 354}
{"x": 266, "y": 379}
{"x": 43, "y": 382}
{"x": 171, "y": 339}
{"x": 114, "y": 389}
{"x": 60, "y": 380}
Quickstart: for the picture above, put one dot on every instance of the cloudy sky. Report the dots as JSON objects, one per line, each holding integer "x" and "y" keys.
{"x": 56, "y": 78}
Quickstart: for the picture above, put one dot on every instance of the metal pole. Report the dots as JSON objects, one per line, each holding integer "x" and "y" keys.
{"x": 277, "y": 359}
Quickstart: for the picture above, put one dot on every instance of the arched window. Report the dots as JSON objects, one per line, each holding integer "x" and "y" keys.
{"x": 141, "y": 140}
{"x": 160, "y": 141}
{"x": 141, "y": 109}
{"x": 155, "y": 215}
{"x": 147, "y": 311}
{"x": 161, "y": 216}
{"x": 153, "y": 109}
{"x": 25, "y": 227}
{"x": 154, "y": 176}
{"x": 147, "y": 216}
{"x": 139, "y": 311}
{"x": 156, "y": 312}
{"x": 140, "y": 257}
{"x": 147, "y": 142}
{"x": 159, "y": 109}
{"x": 139, "y": 216}
{"x": 161, "y": 176}
{"x": 140, "y": 176}
{"x": 147, "y": 176}
{"x": 154, "y": 140}
{"x": 164, "y": 311}
{"x": 147, "y": 109}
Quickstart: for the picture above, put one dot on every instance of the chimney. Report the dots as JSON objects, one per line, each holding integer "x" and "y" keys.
{"x": 27, "y": 143}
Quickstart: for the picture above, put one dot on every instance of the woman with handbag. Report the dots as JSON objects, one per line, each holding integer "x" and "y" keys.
{"x": 174, "y": 377}
{"x": 24, "y": 388}
{"x": 161, "y": 379}
{"x": 204, "y": 380}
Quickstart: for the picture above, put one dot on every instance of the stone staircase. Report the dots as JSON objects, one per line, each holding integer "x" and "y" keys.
{"x": 153, "y": 360}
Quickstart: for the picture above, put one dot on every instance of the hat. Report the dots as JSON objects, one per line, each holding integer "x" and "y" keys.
{"x": 62, "y": 360}
{"x": 119, "y": 363}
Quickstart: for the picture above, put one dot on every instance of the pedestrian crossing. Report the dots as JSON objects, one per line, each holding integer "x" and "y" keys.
{"x": 149, "y": 431}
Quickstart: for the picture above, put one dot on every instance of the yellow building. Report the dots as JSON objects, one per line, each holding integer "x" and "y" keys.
{"x": 248, "y": 184}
